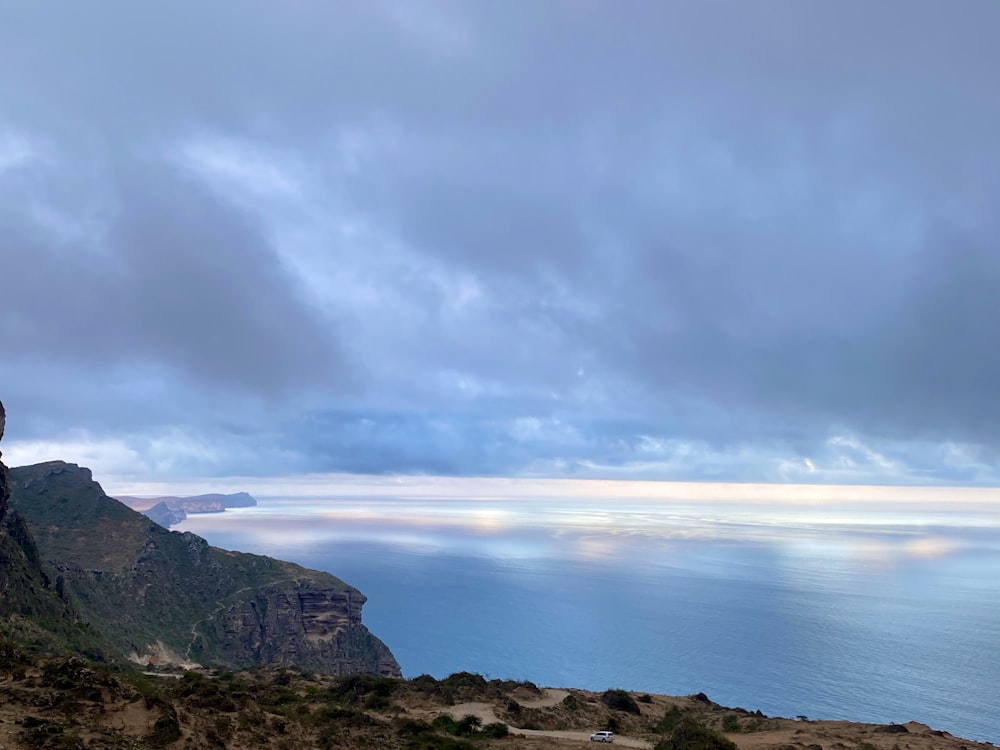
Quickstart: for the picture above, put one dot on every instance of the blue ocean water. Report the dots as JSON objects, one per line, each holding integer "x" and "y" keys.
{"x": 858, "y": 611}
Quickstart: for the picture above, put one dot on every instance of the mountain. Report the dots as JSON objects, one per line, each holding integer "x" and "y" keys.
{"x": 169, "y": 510}
{"x": 34, "y": 608}
{"x": 159, "y": 596}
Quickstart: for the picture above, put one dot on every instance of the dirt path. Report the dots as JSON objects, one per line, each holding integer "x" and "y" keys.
{"x": 549, "y": 697}
{"x": 482, "y": 711}
{"x": 620, "y": 741}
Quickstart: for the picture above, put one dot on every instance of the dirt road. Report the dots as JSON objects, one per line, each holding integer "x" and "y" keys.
{"x": 549, "y": 697}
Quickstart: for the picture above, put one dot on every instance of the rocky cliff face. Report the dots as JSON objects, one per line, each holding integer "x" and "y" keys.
{"x": 163, "y": 514}
{"x": 162, "y": 596}
{"x": 4, "y": 492}
{"x": 33, "y": 608}
{"x": 326, "y": 623}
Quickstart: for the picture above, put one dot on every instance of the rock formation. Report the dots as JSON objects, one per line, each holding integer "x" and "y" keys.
{"x": 32, "y": 605}
{"x": 169, "y": 510}
{"x": 4, "y": 492}
{"x": 162, "y": 596}
{"x": 163, "y": 514}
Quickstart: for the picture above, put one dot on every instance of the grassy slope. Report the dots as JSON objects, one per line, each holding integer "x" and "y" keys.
{"x": 140, "y": 584}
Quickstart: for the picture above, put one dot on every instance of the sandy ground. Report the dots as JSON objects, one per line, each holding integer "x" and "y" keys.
{"x": 550, "y": 697}
{"x": 788, "y": 734}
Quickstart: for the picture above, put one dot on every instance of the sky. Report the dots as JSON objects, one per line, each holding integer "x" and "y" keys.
{"x": 716, "y": 241}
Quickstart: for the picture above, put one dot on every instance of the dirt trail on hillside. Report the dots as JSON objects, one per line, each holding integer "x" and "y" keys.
{"x": 550, "y": 697}
{"x": 620, "y": 741}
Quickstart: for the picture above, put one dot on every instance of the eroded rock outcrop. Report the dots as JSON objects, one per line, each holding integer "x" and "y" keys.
{"x": 161, "y": 596}
{"x": 4, "y": 492}
{"x": 33, "y": 607}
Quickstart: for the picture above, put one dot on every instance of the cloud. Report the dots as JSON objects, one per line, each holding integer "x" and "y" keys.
{"x": 676, "y": 241}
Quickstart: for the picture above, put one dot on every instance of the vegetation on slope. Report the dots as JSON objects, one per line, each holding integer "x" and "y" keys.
{"x": 73, "y": 704}
{"x": 163, "y": 596}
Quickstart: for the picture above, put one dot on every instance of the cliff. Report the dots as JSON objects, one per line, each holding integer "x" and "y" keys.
{"x": 163, "y": 514}
{"x": 34, "y": 610}
{"x": 4, "y": 492}
{"x": 165, "y": 597}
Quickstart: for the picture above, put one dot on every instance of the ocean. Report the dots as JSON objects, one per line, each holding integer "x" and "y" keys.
{"x": 859, "y": 609}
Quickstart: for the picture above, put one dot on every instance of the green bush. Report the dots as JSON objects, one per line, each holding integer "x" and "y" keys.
{"x": 669, "y": 722}
{"x": 445, "y": 723}
{"x": 375, "y": 702}
{"x": 166, "y": 729}
{"x": 425, "y": 683}
{"x": 359, "y": 686}
{"x": 690, "y": 735}
{"x": 468, "y": 725}
{"x": 42, "y": 734}
{"x": 419, "y": 735}
{"x": 346, "y": 717}
{"x": 495, "y": 731}
{"x": 12, "y": 658}
{"x": 730, "y": 723}
{"x": 464, "y": 680}
{"x": 619, "y": 700}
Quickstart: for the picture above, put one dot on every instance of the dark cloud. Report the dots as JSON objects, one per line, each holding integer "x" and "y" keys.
{"x": 682, "y": 240}
{"x": 163, "y": 289}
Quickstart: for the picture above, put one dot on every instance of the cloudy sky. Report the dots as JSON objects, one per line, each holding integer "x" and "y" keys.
{"x": 748, "y": 241}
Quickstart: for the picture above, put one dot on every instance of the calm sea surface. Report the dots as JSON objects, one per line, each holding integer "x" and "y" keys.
{"x": 860, "y": 611}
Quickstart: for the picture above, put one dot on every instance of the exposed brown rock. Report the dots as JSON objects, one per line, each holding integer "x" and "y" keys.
{"x": 167, "y": 597}
{"x": 4, "y": 492}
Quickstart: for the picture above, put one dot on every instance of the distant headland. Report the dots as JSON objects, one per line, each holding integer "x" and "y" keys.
{"x": 168, "y": 510}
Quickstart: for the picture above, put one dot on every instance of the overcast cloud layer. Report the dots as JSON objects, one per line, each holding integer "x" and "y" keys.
{"x": 756, "y": 241}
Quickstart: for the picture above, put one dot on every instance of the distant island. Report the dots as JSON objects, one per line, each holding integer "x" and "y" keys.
{"x": 167, "y": 510}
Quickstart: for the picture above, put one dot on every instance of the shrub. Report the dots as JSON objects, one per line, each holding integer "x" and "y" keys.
{"x": 468, "y": 725}
{"x": 445, "y": 723}
{"x": 730, "y": 723}
{"x": 425, "y": 683}
{"x": 166, "y": 729}
{"x": 46, "y": 735}
{"x": 495, "y": 731}
{"x": 376, "y": 702}
{"x": 669, "y": 722}
{"x": 348, "y": 717}
{"x": 420, "y": 735}
{"x": 12, "y": 658}
{"x": 355, "y": 687}
{"x": 690, "y": 735}
{"x": 465, "y": 680}
{"x": 282, "y": 678}
{"x": 619, "y": 700}
{"x": 893, "y": 729}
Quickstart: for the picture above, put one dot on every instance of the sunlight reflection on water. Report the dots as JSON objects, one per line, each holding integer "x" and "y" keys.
{"x": 875, "y": 612}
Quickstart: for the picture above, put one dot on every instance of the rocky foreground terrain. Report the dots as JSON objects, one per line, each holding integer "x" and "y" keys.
{"x": 68, "y": 703}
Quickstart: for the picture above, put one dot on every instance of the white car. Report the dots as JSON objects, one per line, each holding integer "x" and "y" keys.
{"x": 602, "y": 736}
